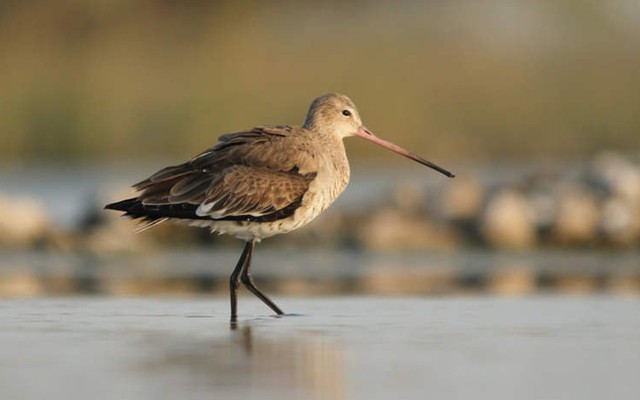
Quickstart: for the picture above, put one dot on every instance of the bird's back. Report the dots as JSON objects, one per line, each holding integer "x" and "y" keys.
{"x": 262, "y": 176}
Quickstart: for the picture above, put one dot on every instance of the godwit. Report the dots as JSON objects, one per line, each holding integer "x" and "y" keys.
{"x": 259, "y": 183}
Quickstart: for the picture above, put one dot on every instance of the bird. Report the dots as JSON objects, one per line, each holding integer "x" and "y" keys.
{"x": 258, "y": 183}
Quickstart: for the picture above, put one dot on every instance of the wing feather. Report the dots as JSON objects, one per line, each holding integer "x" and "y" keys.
{"x": 253, "y": 191}
{"x": 252, "y": 173}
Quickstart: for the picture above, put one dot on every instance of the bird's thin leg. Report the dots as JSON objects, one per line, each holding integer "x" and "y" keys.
{"x": 234, "y": 279}
{"x": 247, "y": 280}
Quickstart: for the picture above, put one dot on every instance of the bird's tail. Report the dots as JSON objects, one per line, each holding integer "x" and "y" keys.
{"x": 134, "y": 209}
{"x": 124, "y": 205}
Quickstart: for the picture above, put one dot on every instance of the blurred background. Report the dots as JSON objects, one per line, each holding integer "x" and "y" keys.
{"x": 517, "y": 279}
{"x": 534, "y": 105}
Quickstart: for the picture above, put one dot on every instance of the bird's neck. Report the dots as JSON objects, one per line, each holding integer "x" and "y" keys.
{"x": 336, "y": 156}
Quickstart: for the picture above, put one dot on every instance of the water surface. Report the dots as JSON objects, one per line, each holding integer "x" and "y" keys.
{"x": 584, "y": 347}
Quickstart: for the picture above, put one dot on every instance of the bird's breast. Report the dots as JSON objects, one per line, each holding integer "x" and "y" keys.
{"x": 332, "y": 178}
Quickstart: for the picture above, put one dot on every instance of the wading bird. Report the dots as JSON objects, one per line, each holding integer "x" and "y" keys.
{"x": 259, "y": 183}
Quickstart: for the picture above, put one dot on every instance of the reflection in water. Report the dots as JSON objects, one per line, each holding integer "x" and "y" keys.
{"x": 539, "y": 347}
{"x": 246, "y": 362}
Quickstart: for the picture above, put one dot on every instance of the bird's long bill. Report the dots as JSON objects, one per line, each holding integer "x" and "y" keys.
{"x": 366, "y": 134}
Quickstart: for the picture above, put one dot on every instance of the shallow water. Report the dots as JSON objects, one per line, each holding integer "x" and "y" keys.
{"x": 321, "y": 272}
{"x": 332, "y": 348}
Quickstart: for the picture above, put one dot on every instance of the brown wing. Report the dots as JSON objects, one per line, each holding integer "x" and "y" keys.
{"x": 251, "y": 173}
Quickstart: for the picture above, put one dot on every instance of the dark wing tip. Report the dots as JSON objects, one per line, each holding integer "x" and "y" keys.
{"x": 124, "y": 205}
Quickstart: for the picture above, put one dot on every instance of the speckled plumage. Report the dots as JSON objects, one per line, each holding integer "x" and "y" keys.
{"x": 259, "y": 183}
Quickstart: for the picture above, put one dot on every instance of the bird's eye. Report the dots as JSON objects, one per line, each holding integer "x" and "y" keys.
{"x": 346, "y": 113}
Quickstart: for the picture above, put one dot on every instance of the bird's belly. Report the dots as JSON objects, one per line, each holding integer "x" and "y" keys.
{"x": 247, "y": 230}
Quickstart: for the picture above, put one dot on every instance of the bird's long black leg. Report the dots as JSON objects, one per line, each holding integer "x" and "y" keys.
{"x": 247, "y": 280}
{"x": 234, "y": 279}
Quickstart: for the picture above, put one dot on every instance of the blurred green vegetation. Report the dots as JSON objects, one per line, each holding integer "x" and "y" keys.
{"x": 128, "y": 80}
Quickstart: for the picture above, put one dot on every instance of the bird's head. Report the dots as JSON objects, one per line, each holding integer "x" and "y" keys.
{"x": 335, "y": 113}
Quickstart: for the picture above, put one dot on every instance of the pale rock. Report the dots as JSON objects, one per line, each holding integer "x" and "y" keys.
{"x": 620, "y": 223}
{"x": 507, "y": 221}
{"x": 24, "y": 221}
{"x": 619, "y": 176}
{"x": 578, "y": 216}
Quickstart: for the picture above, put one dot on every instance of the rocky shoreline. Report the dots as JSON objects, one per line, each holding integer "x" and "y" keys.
{"x": 596, "y": 205}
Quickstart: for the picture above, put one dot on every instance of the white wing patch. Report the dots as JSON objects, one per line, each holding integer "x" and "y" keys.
{"x": 204, "y": 210}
